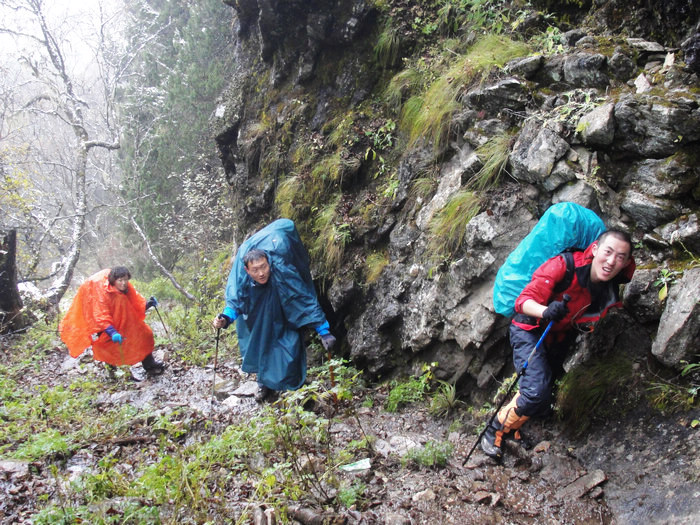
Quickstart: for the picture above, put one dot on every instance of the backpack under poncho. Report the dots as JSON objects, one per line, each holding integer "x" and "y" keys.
{"x": 564, "y": 226}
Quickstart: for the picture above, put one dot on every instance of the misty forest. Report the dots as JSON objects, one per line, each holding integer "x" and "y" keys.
{"x": 416, "y": 147}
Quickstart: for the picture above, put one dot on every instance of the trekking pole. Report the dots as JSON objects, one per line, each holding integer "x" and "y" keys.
{"x": 216, "y": 357}
{"x": 161, "y": 322}
{"x": 507, "y": 394}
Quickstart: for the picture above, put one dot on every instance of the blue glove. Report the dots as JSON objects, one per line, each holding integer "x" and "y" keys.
{"x": 112, "y": 332}
{"x": 152, "y": 301}
{"x": 556, "y": 311}
{"x": 328, "y": 341}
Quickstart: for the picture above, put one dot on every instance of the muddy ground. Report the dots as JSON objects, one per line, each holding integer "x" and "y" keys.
{"x": 642, "y": 468}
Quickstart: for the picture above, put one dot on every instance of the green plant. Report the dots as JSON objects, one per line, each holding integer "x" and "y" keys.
{"x": 444, "y": 400}
{"x": 664, "y": 281}
{"x": 349, "y": 496}
{"x": 409, "y": 390}
{"x": 669, "y": 398}
{"x": 342, "y": 134}
{"x": 448, "y": 226}
{"x": 43, "y": 444}
{"x": 289, "y": 196}
{"x": 549, "y": 42}
{"x": 694, "y": 260}
{"x": 432, "y": 454}
{"x": 578, "y": 103}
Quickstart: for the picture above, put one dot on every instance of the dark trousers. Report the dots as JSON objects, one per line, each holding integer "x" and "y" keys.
{"x": 543, "y": 367}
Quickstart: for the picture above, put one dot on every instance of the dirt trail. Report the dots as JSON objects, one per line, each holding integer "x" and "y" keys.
{"x": 641, "y": 469}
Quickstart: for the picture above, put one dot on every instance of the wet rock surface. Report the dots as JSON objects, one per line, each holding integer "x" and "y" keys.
{"x": 640, "y": 468}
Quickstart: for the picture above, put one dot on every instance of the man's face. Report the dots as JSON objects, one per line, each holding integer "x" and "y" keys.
{"x": 259, "y": 270}
{"x": 610, "y": 257}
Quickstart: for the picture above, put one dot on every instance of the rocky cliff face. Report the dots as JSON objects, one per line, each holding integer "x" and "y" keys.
{"x": 611, "y": 122}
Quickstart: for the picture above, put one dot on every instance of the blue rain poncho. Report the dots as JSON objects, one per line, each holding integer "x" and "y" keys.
{"x": 269, "y": 316}
{"x": 563, "y": 226}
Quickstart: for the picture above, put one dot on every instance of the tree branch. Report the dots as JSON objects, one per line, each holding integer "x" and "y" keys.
{"x": 157, "y": 262}
{"x": 101, "y": 144}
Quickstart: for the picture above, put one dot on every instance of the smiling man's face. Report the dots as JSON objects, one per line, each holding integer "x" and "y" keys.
{"x": 610, "y": 257}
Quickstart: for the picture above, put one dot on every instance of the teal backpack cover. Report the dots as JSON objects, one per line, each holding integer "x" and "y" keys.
{"x": 565, "y": 225}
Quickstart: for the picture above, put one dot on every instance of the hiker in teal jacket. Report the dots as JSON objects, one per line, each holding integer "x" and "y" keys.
{"x": 271, "y": 297}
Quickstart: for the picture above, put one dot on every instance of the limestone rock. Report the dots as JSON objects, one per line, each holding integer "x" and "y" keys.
{"x": 598, "y": 126}
{"x": 679, "y": 328}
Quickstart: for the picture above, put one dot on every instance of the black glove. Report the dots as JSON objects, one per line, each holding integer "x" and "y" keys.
{"x": 328, "y": 341}
{"x": 152, "y": 301}
{"x": 556, "y": 311}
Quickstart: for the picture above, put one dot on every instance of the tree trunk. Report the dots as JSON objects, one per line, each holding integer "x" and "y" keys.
{"x": 10, "y": 301}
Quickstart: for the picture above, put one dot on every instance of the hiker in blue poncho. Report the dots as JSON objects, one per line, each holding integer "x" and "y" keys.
{"x": 271, "y": 297}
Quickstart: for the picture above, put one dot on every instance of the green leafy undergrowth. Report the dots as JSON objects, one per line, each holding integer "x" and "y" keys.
{"x": 284, "y": 453}
{"x": 432, "y": 454}
{"x": 409, "y": 390}
{"x": 677, "y": 394}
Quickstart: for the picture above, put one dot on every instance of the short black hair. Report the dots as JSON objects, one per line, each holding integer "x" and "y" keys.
{"x": 117, "y": 273}
{"x": 254, "y": 255}
{"x": 618, "y": 234}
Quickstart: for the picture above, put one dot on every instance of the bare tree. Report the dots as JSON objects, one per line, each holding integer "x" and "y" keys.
{"x": 52, "y": 101}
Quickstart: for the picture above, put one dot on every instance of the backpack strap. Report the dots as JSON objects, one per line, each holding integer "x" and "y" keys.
{"x": 569, "y": 275}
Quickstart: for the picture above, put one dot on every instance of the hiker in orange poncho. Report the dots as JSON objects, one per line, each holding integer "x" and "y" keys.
{"x": 109, "y": 314}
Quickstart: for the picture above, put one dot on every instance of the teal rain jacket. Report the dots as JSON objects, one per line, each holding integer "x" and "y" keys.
{"x": 269, "y": 316}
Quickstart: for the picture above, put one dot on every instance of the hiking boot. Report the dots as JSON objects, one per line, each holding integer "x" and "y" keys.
{"x": 111, "y": 372}
{"x": 262, "y": 393}
{"x": 488, "y": 441}
{"x": 151, "y": 366}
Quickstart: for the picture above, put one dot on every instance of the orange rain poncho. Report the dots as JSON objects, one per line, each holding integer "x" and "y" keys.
{"x": 98, "y": 305}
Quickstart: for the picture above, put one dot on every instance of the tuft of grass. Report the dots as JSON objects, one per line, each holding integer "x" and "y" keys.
{"x": 582, "y": 391}
{"x": 288, "y": 196}
{"x": 494, "y": 156}
{"x": 376, "y": 262}
{"x": 331, "y": 238}
{"x": 428, "y": 116}
{"x": 386, "y": 50}
{"x": 679, "y": 395}
{"x": 448, "y": 226}
{"x": 402, "y": 85}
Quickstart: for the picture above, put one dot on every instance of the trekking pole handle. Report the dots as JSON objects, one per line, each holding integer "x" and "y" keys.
{"x": 566, "y": 298}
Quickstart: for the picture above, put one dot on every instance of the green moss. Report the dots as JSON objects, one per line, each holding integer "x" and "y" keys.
{"x": 595, "y": 389}
{"x": 342, "y": 133}
{"x": 288, "y": 197}
{"x": 375, "y": 263}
